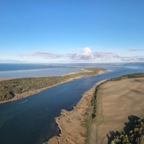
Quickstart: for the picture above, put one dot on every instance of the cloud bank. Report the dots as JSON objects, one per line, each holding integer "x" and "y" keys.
{"x": 47, "y": 55}
{"x": 134, "y": 49}
{"x": 87, "y": 55}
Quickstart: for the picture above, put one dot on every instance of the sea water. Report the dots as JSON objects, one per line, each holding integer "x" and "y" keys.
{"x": 35, "y": 70}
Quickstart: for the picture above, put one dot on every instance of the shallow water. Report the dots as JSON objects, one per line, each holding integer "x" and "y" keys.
{"x": 34, "y": 70}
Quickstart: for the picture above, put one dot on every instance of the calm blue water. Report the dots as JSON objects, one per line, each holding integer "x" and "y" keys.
{"x": 34, "y": 70}
{"x": 32, "y": 120}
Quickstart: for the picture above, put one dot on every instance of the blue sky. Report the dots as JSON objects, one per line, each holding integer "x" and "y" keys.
{"x": 65, "y": 31}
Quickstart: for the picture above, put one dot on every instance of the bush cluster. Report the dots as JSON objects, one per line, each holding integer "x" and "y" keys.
{"x": 133, "y": 135}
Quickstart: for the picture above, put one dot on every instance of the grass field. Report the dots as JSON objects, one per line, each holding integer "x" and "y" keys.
{"x": 114, "y": 102}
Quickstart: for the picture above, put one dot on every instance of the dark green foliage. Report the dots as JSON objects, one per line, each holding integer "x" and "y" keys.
{"x": 8, "y": 95}
{"x": 94, "y": 101}
{"x": 134, "y": 75}
{"x": 93, "y": 115}
{"x": 133, "y": 132}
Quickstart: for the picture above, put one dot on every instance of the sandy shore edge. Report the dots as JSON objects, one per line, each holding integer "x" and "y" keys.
{"x": 83, "y": 69}
{"x": 73, "y": 124}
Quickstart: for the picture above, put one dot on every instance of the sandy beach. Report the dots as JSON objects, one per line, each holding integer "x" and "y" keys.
{"x": 116, "y": 101}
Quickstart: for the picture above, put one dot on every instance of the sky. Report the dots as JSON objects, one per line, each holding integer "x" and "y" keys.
{"x": 71, "y": 31}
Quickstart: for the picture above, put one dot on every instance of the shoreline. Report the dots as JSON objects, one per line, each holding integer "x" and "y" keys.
{"x": 73, "y": 124}
{"x": 78, "y": 125}
{"x": 32, "y": 92}
{"x": 83, "y": 70}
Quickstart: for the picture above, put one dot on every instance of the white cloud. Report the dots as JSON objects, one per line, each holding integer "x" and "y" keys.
{"x": 85, "y": 55}
{"x": 47, "y": 55}
{"x": 11, "y": 61}
{"x": 134, "y": 49}
{"x": 87, "y": 52}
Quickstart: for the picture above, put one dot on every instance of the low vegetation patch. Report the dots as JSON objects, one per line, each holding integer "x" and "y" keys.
{"x": 94, "y": 101}
{"x": 134, "y": 75}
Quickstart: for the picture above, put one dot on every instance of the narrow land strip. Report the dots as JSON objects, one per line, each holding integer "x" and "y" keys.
{"x": 14, "y": 89}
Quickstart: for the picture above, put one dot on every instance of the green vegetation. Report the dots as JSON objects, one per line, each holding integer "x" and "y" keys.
{"x": 94, "y": 101}
{"x": 134, "y": 75}
{"x": 133, "y": 132}
{"x": 11, "y": 88}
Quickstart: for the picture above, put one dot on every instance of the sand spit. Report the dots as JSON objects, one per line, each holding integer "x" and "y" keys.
{"x": 84, "y": 70}
{"x": 115, "y": 102}
{"x": 32, "y": 92}
{"x": 73, "y": 124}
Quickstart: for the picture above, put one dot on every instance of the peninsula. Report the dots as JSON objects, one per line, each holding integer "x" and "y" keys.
{"x": 14, "y": 89}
